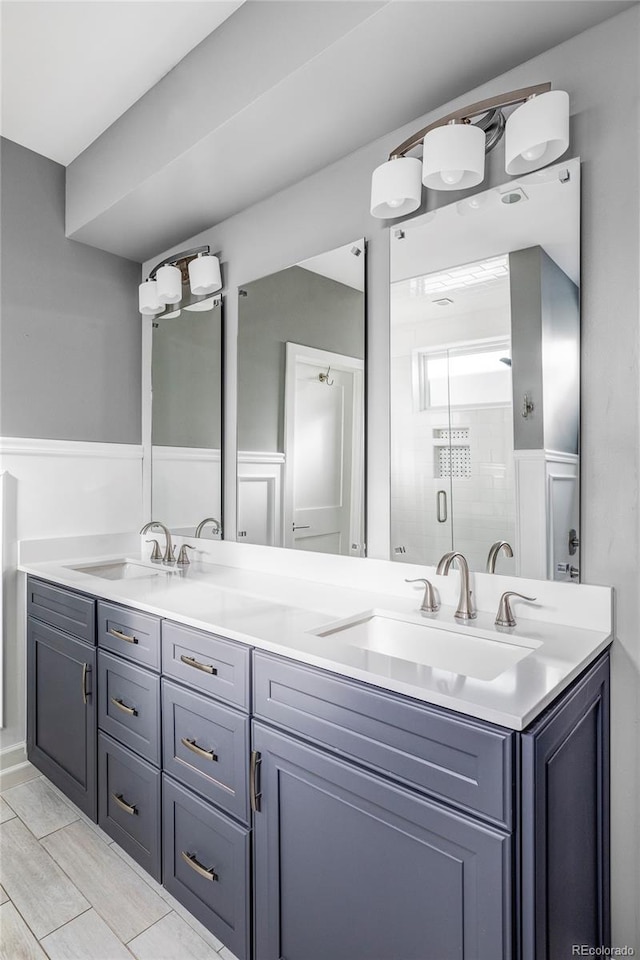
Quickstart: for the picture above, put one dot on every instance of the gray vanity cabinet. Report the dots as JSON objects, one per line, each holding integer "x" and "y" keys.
{"x": 61, "y": 711}
{"x": 353, "y": 867}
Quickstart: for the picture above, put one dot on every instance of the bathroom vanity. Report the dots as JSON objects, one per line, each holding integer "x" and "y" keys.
{"x": 302, "y": 812}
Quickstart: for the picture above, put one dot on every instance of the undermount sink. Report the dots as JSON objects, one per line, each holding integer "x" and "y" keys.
{"x": 121, "y": 570}
{"x": 474, "y": 654}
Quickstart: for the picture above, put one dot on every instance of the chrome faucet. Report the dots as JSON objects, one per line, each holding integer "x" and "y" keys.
{"x": 430, "y": 603}
{"x": 494, "y": 551}
{"x": 169, "y": 555}
{"x": 217, "y": 526}
{"x": 505, "y": 617}
{"x": 465, "y": 609}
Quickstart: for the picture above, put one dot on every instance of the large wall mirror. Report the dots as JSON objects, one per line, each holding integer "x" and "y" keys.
{"x": 301, "y": 370}
{"x": 485, "y": 379}
{"x": 186, "y": 421}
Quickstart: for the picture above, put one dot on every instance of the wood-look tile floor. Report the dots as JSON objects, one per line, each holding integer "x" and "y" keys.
{"x": 68, "y": 892}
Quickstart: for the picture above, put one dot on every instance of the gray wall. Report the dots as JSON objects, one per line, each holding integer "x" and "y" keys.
{"x": 186, "y": 380}
{"x": 332, "y": 207}
{"x": 69, "y": 330}
{"x": 291, "y": 305}
{"x": 545, "y": 340}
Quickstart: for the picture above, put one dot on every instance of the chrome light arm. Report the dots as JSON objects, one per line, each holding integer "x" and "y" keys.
{"x": 465, "y": 114}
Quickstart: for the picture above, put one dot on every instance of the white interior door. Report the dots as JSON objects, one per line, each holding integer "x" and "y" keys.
{"x": 324, "y": 451}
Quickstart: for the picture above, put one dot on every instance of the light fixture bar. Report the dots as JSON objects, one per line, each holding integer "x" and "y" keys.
{"x": 464, "y": 114}
{"x": 176, "y": 260}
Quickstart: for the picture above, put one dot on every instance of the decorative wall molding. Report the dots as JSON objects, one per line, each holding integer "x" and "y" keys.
{"x": 185, "y": 453}
{"x": 260, "y": 456}
{"x": 29, "y": 447}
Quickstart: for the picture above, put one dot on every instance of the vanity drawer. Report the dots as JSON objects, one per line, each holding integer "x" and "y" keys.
{"x": 129, "y": 705}
{"x": 129, "y": 803}
{"x": 457, "y": 759}
{"x": 64, "y": 609}
{"x": 215, "y": 764}
{"x": 219, "y": 667}
{"x": 206, "y": 865}
{"x": 130, "y": 634}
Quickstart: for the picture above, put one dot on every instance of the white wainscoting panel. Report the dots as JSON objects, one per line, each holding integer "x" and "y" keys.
{"x": 62, "y": 488}
{"x": 542, "y": 508}
{"x": 260, "y": 490}
{"x": 186, "y": 486}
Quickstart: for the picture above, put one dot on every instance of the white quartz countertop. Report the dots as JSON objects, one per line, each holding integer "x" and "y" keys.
{"x": 279, "y": 614}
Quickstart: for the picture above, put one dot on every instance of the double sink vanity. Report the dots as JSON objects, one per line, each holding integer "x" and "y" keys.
{"x": 313, "y": 766}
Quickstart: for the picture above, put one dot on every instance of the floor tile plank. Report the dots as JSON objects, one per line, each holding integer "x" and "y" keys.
{"x": 18, "y": 774}
{"x": 225, "y": 954}
{"x": 208, "y": 937}
{"x": 171, "y": 939}
{"x": 17, "y": 941}
{"x": 121, "y": 897}
{"x": 6, "y": 813}
{"x": 85, "y": 938}
{"x": 80, "y": 814}
{"x": 3, "y": 895}
{"x": 45, "y": 897}
{"x": 39, "y": 807}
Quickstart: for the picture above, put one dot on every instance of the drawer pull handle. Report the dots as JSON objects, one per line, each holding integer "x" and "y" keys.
{"x": 206, "y": 667}
{"x": 122, "y": 803}
{"x": 208, "y": 874}
{"x": 122, "y": 636}
{"x": 85, "y": 670}
{"x": 254, "y": 791}
{"x": 122, "y": 706}
{"x": 192, "y": 745}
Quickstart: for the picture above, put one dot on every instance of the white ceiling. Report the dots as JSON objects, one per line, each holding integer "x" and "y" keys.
{"x": 69, "y": 69}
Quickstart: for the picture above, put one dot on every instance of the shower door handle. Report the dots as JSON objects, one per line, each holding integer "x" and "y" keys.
{"x": 441, "y": 506}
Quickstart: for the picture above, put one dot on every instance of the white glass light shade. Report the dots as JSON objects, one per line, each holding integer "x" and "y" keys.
{"x": 169, "y": 280}
{"x": 537, "y": 133}
{"x": 453, "y": 157}
{"x": 204, "y": 275}
{"x": 202, "y": 305}
{"x": 148, "y": 299}
{"x": 395, "y": 188}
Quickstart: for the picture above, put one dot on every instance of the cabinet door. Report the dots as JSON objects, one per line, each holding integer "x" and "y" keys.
{"x": 61, "y": 714}
{"x": 565, "y": 822}
{"x": 350, "y": 867}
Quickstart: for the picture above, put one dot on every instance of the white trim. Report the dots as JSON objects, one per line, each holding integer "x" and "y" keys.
{"x": 28, "y": 447}
{"x": 146, "y": 424}
{"x": 185, "y": 453}
{"x": 260, "y": 456}
{"x": 13, "y": 756}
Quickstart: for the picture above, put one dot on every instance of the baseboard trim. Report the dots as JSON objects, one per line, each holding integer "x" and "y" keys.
{"x": 13, "y": 756}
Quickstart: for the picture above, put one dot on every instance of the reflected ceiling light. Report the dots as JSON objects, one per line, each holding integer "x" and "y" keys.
{"x": 454, "y": 147}
{"x": 165, "y": 282}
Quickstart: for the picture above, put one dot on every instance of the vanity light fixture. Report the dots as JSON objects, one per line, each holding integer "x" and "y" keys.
{"x": 454, "y": 147}
{"x": 164, "y": 284}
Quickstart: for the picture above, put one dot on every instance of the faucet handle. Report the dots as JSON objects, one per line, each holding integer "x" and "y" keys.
{"x": 156, "y": 553}
{"x": 183, "y": 558}
{"x": 505, "y": 617}
{"x": 429, "y": 602}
